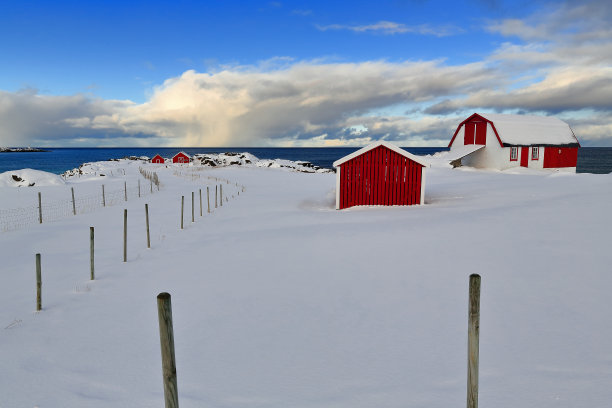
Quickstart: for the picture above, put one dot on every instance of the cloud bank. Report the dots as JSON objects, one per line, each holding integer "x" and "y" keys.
{"x": 558, "y": 65}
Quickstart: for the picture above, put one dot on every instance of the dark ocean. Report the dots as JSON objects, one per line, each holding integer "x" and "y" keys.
{"x": 58, "y": 160}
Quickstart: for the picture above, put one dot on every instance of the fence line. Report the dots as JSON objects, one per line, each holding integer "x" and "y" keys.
{"x": 15, "y": 218}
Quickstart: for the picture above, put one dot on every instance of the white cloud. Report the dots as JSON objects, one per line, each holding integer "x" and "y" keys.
{"x": 286, "y": 102}
{"x": 390, "y": 27}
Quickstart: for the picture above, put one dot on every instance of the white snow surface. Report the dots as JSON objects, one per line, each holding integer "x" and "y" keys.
{"x": 27, "y": 177}
{"x": 279, "y": 300}
{"x": 531, "y": 129}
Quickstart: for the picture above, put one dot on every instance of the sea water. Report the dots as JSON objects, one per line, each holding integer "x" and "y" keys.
{"x": 58, "y": 160}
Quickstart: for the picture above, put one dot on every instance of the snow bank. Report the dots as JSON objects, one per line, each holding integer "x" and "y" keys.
{"x": 29, "y": 178}
{"x": 281, "y": 301}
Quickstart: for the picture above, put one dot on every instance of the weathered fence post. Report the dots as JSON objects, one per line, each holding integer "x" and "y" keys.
{"x": 147, "y": 219}
{"x": 125, "y": 189}
{"x": 138, "y": 188}
{"x": 103, "y": 197}
{"x": 192, "y": 206}
{"x": 473, "y": 340}
{"x": 38, "y": 284}
{"x": 166, "y": 340}
{"x": 216, "y": 187}
{"x": 73, "y": 204}
{"x": 200, "y": 202}
{"x": 91, "y": 253}
{"x": 39, "y": 208}
{"x": 208, "y": 198}
{"x": 182, "y": 209}
{"x": 125, "y": 235}
{"x": 221, "y": 194}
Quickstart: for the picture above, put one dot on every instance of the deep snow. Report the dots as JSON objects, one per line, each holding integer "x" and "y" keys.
{"x": 281, "y": 301}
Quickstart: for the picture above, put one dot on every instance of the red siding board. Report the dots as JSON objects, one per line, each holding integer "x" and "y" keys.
{"x": 417, "y": 185}
{"x": 379, "y": 177}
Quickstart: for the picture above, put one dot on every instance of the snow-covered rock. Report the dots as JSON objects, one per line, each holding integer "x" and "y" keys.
{"x": 29, "y": 178}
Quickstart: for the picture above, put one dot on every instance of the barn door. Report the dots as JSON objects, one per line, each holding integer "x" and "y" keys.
{"x": 481, "y": 133}
{"x": 468, "y": 137}
{"x": 525, "y": 156}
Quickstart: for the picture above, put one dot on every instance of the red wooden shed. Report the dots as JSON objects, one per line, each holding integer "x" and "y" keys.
{"x": 181, "y": 157}
{"x": 380, "y": 174}
{"x": 157, "y": 159}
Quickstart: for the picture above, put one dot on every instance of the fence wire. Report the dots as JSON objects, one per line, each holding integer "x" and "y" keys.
{"x": 16, "y": 218}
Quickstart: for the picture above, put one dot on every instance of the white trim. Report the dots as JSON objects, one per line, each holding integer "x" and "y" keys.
{"x": 388, "y": 145}
{"x": 338, "y": 188}
{"x": 423, "y": 186}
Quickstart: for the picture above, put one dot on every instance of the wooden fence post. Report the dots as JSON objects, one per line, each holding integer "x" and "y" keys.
{"x": 208, "y": 198}
{"x": 91, "y": 253}
{"x": 192, "y": 206}
{"x": 39, "y": 208}
{"x": 147, "y": 219}
{"x": 216, "y": 188}
{"x": 200, "y": 202}
{"x": 221, "y": 194}
{"x": 125, "y": 189}
{"x": 125, "y": 235}
{"x": 182, "y": 209}
{"x": 103, "y": 197}
{"x": 166, "y": 340}
{"x": 138, "y": 188}
{"x": 473, "y": 340}
{"x": 38, "y": 284}
{"x": 73, "y": 204}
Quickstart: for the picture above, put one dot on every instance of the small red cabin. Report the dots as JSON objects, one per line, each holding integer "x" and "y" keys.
{"x": 157, "y": 159}
{"x": 380, "y": 174}
{"x": 181, "y": 158}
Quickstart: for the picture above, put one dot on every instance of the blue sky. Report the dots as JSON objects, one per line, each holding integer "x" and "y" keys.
{"x": 295, "y": 73}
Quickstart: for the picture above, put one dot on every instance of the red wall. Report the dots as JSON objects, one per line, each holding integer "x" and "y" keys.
{"x": 560, "y": 157}
{"x": 157, "y": 159}
{"x": 380, "y": 177}
{"x": 176, "y": 159}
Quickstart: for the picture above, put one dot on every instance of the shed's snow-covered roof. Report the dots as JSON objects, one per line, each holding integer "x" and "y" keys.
{"x": 388, "y": 145}
{"x": 180, "y": 153}
{"x": 531, "y": 129}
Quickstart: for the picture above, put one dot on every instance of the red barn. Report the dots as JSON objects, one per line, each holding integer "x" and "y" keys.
{"x": 157, "y": 159}
{"x": 380, "y": 174}
{"x": 181, "y": 158}
{"x": 500, "y": 141}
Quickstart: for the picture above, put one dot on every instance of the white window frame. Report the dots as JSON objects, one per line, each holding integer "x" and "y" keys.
{"x": 514, "y": 153}
{"x": 535, "y": 153}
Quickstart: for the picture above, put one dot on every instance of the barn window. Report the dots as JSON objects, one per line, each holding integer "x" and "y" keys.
{"x": 513, "y": 153}
{"x": 535, "y": 153}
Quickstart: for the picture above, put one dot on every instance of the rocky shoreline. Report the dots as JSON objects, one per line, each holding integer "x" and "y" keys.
{"x": 21, "y": 149}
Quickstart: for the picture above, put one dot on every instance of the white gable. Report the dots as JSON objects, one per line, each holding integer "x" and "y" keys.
{"x": 388, "y": 145}
{"x": 531, "y": 130}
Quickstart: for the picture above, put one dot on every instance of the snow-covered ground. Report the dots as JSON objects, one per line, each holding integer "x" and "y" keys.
{"x": 281, "y": 301}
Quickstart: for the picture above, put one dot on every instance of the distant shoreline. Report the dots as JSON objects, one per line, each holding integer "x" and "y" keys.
{"x": 21, "y": 149}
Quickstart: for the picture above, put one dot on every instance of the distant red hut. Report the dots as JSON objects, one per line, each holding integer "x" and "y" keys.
{"x": 157, "y": 159}
{"x": 181, "y": 158}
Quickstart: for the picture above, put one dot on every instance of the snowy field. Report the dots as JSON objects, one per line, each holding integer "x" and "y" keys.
{"x": 281, "y": 301}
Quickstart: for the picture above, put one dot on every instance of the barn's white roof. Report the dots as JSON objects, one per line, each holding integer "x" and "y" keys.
{"x": 531, "y": 130}
{"x": 388, "y": 145}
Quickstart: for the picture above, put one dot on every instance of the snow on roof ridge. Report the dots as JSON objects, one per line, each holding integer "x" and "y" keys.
{"x": 516, "y": 129}
{"x": 386, "y": 144}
